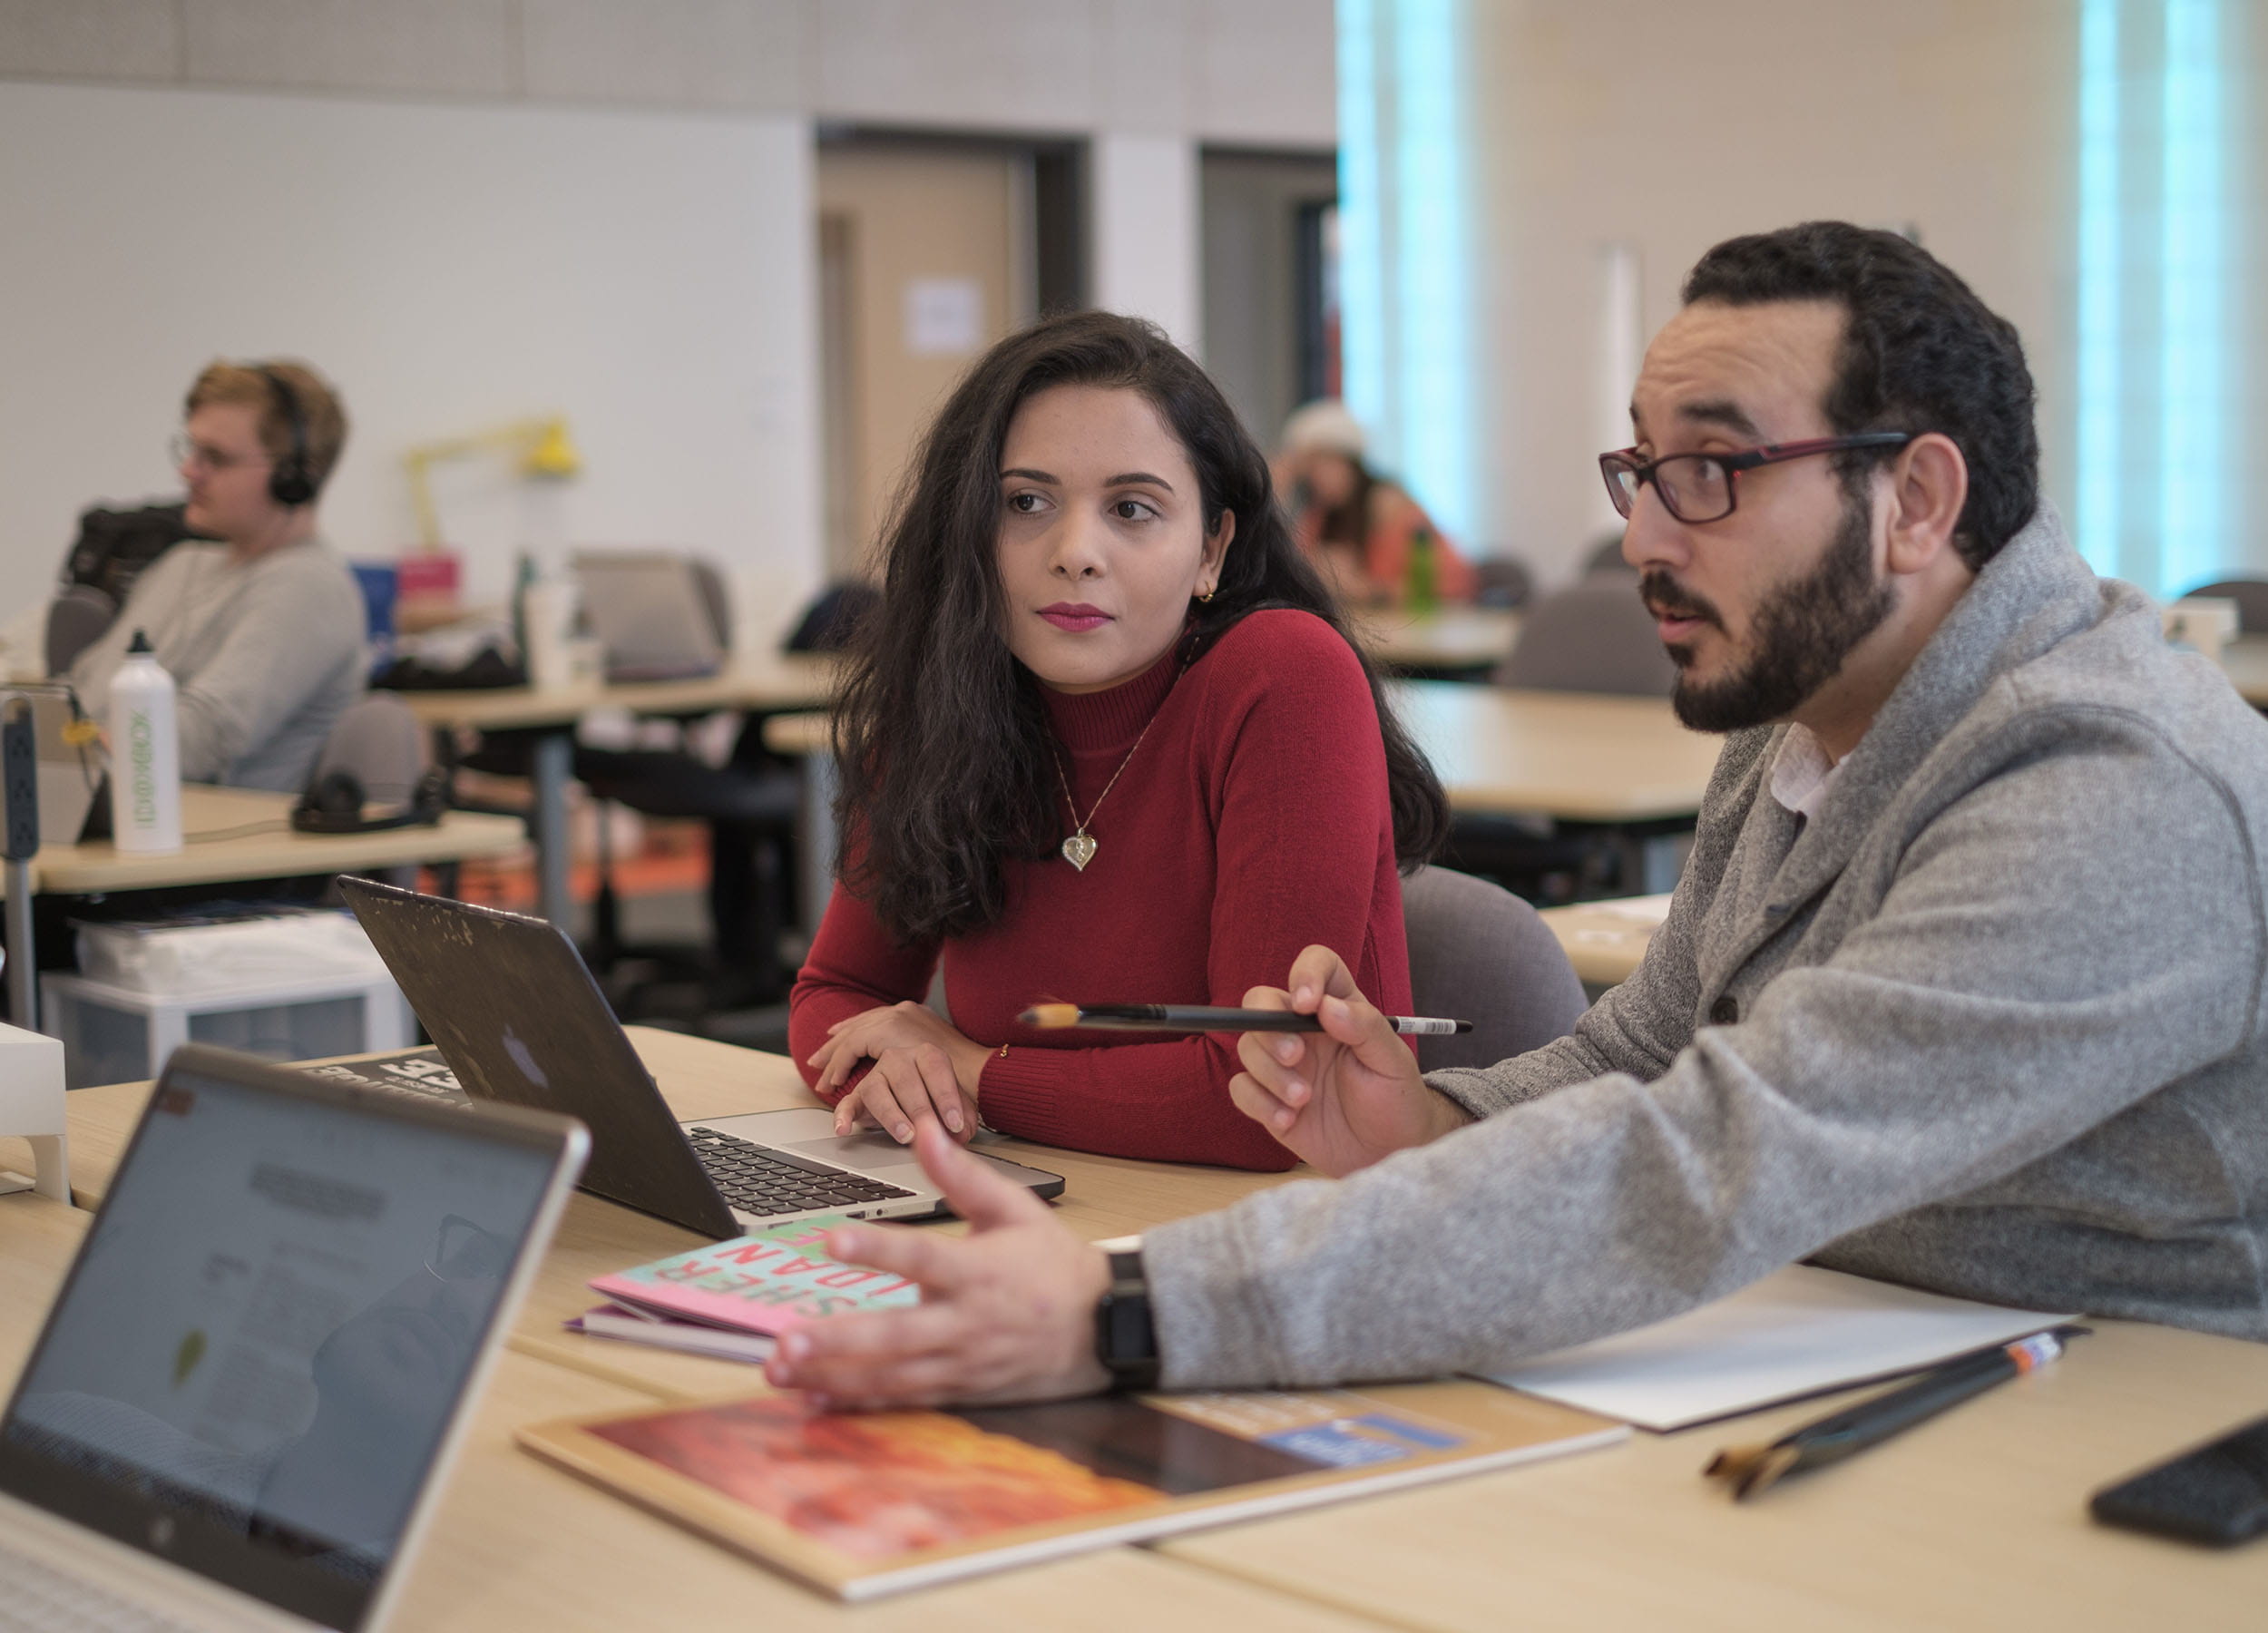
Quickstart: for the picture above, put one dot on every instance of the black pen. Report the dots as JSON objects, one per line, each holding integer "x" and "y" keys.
{"x": 1210, "y": 1018}
{"x": 1751, "y": 1468}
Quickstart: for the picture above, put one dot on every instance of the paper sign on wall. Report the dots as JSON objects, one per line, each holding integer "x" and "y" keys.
{"x": 944, "y": 316}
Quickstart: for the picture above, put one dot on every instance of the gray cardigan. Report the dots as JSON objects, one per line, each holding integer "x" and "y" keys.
{"x": 265, "y": 656}
{"x": 1992, "y": 1025}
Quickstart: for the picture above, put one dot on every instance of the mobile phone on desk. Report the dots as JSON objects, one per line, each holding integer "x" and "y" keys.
{"x": 2216, "y": 1494}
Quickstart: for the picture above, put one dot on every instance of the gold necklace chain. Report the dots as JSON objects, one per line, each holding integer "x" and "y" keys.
{"x": 1079, "y": 850}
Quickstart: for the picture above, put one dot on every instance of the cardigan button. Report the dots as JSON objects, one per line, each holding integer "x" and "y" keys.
{"x": 1724, "y": 1012}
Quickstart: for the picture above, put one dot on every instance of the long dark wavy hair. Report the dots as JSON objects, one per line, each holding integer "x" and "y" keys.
{"x": 943, "y": 736}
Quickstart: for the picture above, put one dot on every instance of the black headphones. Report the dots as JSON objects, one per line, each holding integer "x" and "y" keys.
{"x": 289, "y": 481}
{"x": 333, "y": 804}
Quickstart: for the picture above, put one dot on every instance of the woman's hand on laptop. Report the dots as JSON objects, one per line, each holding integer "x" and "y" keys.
{"x": 923, "y": 1071}
{"x": 1007, "y": 1311}
{"x": 1345, "y": 1097}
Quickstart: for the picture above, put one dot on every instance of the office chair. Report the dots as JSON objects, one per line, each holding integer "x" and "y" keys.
{"x": 1479, "y": 953}
{"x": 1595, "y": 637}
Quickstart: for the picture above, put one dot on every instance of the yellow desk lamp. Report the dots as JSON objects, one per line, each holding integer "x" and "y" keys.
{"x": 544, "y": 447}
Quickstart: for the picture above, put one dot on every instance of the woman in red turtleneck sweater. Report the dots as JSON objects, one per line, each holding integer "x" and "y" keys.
{"x": 1105, "y": 741}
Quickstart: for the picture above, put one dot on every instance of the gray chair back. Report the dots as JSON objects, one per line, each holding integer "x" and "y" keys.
{"x": 1479, "y": 953}
{"x": 75, "y": 621}
{"x": 2251, "y": 596}
{"x": 1597, "y": 637}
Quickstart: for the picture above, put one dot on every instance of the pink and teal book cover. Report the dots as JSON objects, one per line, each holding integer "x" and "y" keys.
{"x": 767, "y": 1283}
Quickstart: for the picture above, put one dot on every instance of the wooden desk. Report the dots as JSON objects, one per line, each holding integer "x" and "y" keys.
{"x": 754, "y": 680}
{"x": 1466, "y": 640}
{"x": 1104, "y": 1197}
{"x": 274, "y": 850}
{"x": 519, "y": 1544}
{"x": 1976, "y": 1521}
{"x": 2246, "y": 660}
{"x": 1603, "y": 940}
{"x": 1972, "y": 1522}
{"x": 1575, "y": 756}
{"x": 1570, "y": 756}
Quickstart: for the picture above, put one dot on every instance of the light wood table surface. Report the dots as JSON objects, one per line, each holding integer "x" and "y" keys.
{"x": 519, "y": 1544}
{"x": 273, "y": 850}
{"x": 1576, "y": 757}
{"x": 1104, "y": 1197}
{"x": 1472, "y": 638}
{"x": 2246, "y": 659}
{"x": 1605, "y": 940}
{"x": 752, "y": 680}
{"x": 1976, "y": 1519}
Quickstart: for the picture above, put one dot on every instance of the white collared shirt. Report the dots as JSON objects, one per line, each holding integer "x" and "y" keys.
{"x": 1802, "y": 774}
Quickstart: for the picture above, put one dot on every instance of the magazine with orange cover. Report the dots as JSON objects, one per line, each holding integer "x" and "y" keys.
{"x": 867, "y": 1503}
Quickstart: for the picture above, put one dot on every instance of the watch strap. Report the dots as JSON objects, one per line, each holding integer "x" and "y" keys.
{"x": 1126, "y": 1337}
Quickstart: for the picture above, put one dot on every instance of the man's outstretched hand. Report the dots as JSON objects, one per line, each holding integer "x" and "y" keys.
{"x": 1007, "y": 1311}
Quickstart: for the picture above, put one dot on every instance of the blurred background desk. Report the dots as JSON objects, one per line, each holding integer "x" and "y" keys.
{"x": 1447, "y": 644}
{"x": 1621, "y": 763}
{"x": 764, "y": 680}
{"x": 2246, "y": 659}
{"x": 237, "y": 834}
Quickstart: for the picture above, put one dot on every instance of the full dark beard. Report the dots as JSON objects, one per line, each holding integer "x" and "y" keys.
{"x": 1804, "y": 632}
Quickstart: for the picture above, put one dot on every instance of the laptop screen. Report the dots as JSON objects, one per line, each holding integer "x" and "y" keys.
{"x": 259, "y": 1351}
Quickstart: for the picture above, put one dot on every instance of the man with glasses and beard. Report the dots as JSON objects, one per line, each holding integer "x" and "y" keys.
{"x": 1963, "y": 987}
{"x": 262, "y": 632}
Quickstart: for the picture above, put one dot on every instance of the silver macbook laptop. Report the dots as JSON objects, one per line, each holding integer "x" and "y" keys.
{"x": 247, "y": 1397}
{"x": 518, "y": 1017}
{"x": 651, "y": 612}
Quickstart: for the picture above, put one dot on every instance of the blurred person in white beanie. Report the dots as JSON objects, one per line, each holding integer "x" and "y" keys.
{"x": 1375, "y": 542}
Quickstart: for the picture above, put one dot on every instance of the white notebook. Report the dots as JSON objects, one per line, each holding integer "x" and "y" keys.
{"x": 1802, "y": 1331}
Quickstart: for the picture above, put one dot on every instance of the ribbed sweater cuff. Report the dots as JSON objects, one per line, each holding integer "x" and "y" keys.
{"x": 1024, "y": 1088}
{"x": 1215, "y": 1326}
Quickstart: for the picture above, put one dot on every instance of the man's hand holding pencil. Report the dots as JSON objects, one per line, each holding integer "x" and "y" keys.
{"x": 1344, "y": 1097}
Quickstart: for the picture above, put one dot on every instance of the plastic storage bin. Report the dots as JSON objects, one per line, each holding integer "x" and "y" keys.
{"x": 114, "y": 1035}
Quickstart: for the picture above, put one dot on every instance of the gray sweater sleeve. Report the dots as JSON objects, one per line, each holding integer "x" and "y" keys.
{"x": 2059, "y": 940}
{"x": 279, "y": 651}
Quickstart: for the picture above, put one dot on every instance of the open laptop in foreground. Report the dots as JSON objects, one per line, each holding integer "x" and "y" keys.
{"x": 247, "y": 1397}
{"x": 517, "y": 1015}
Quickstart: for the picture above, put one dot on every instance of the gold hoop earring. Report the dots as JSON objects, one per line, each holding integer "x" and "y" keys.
{"x": 1207, "y": 596}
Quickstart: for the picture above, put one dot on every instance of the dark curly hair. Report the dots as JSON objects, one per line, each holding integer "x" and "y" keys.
{"x": 1920, "y": 353}
{"x": 942, "y": 736}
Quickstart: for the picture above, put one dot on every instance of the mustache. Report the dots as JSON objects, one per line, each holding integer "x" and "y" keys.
{"x": 1665, "y": 597}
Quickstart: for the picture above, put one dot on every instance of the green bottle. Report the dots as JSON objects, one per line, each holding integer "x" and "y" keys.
{"x": 1421, "y": 589}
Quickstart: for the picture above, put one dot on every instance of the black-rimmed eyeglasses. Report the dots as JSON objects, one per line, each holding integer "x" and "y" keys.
{"x": 1698, "y": 487}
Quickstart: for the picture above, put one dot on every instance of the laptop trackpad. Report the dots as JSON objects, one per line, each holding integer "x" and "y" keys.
{"x": 869, "y": 1151}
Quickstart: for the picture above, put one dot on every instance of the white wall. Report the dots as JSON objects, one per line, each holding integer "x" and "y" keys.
{"x": 647, "y": 275}
{"x": 1146, "y": 213}
{"x": 1603, "y": 122}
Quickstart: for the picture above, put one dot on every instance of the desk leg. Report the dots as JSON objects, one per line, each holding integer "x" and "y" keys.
{"x": 555, "y": 762}
{"x": 815, "y": 836}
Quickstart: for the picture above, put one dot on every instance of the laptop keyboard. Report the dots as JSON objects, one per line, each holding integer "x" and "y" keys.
{"x": 38, "y": 1598}
{"x": 765, "y": 1179}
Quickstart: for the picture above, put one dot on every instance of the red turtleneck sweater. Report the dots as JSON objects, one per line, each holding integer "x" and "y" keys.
{"x": 1252, "y": 821}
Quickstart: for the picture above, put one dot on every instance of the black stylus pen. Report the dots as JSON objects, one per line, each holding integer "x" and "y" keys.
{"x": 1751, "y": 1468}
{"x": 1211, "y": 1018}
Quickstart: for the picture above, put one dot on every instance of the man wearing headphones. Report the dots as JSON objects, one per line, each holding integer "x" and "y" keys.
{"x": 263, "y": 631}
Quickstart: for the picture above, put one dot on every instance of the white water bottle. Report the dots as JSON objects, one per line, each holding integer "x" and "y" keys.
{"x": 145, "y": 755}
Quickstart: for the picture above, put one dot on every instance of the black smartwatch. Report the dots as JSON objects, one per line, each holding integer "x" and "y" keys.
{"x": 1126, "y": 1340}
